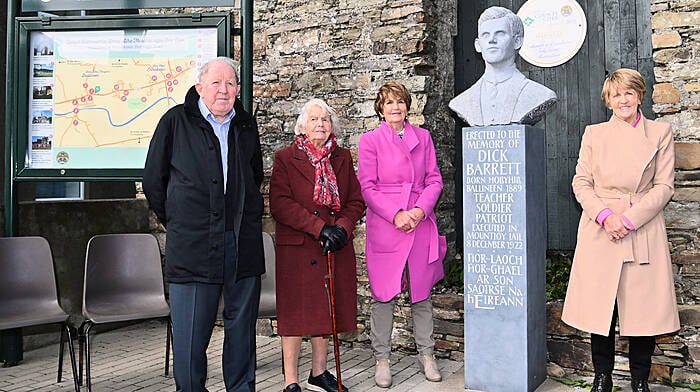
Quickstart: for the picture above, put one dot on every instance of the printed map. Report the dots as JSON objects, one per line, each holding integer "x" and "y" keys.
{"x": 107, "y": 92}
{"x": 118, "y": 102}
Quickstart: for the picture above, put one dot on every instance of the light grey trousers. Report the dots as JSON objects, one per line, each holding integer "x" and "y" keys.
{"x": 382, "y": 322}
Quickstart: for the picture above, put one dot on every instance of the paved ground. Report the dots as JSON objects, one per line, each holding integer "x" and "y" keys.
{"x": 132, "y": 359}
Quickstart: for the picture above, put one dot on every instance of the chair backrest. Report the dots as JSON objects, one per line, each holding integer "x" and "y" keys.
{"x": 122, "y": 268}
{"x": 268, "y": 303}
{"x": 27, "y": 279}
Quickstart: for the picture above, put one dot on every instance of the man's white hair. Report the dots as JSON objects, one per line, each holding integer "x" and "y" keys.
{"x": 221, "y": 59}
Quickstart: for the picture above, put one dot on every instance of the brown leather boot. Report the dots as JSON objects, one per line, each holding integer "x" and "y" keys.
{"x": 602, "y": 382}
{"x": 640, "y": 385}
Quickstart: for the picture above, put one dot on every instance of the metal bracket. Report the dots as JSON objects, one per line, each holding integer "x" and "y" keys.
{"x": 45, "y": 17}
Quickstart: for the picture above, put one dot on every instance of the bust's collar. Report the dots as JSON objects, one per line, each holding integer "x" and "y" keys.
{"x": 494, "y": 78}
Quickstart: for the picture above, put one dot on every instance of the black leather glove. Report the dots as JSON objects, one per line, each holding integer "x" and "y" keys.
{"x": 326, "y": 237}
{"x": 341, "y": 237}
{"x": 333, "y": 238}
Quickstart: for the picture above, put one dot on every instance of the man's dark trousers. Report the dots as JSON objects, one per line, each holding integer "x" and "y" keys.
{"x": 193, "y": 311}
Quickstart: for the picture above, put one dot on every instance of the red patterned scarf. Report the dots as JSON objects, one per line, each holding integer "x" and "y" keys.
{"x": 326, "y": 185}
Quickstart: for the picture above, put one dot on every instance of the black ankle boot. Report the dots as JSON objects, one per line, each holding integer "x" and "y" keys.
{"x": 602, "y": 383}
{"x": 640, "y": 385}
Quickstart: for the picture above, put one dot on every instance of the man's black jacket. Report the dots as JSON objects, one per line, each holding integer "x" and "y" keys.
{"x": 183, "y": 182}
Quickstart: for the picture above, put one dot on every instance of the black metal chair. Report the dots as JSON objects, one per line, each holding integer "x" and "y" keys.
{"x": 123, "y": 282}
{"x": 28, "y": 293}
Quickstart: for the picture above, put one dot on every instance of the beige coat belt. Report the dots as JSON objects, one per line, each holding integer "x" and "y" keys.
{"x": 636, "y": 245}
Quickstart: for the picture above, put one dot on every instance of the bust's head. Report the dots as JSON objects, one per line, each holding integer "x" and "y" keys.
{"x": 500, "y": 35}
{"x": 509, "y": 96}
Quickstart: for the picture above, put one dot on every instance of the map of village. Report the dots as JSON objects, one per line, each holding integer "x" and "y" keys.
{"x": 117, "y": 102}
{"x": 97, "y": 98}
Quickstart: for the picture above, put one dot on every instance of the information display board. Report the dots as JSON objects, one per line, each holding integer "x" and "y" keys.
{"x": 94, "y": 92}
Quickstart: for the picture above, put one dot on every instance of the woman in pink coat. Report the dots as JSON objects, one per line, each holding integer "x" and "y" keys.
{"x": 622, "y": 267}
{"x": 401, "y": 184}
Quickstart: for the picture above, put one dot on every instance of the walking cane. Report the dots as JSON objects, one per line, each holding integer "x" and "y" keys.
{"x": 331, "y": 302}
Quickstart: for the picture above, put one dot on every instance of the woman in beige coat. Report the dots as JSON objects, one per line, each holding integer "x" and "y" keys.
{"x": 622, "y": 267}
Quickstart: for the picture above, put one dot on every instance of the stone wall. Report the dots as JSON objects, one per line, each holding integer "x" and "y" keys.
{"x": 676, "y": 42}
{"x": 342, "y": 52}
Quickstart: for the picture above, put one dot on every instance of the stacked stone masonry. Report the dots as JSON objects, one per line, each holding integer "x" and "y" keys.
{"x": 343, "y": 51}
{"x": 676, "y": 44}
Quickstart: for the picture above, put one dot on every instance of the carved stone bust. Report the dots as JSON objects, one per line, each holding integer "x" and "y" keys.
{"x": 503, "y": 95}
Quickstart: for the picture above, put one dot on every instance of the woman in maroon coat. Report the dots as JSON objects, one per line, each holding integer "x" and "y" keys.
{"x": 315, "y": 200}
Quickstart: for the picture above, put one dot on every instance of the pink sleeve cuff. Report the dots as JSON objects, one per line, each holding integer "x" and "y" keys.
{"x": 602, "y": 215}
{"x": 628, "y": 223}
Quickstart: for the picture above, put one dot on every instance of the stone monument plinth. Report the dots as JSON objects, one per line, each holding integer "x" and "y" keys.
{"x": 505, "y": 241}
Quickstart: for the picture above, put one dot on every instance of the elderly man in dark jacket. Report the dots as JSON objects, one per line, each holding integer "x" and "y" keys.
{"x": 202, "y": 179}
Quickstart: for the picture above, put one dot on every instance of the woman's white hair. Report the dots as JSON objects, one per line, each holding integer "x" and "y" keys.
{"x": 304, "y": 114}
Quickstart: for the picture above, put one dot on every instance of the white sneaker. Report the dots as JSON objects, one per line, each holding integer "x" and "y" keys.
{"x": 382, "y": 373}
{"x": 429, "y": 368}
